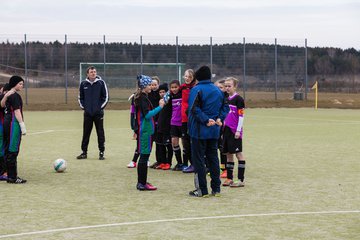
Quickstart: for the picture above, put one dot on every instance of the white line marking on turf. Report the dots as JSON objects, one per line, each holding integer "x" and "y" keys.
{"x": 41, "y": 132}
{"x": 309, "y": 119}
{"x": 69, "y": 130}
{"x": 174, "y": 220}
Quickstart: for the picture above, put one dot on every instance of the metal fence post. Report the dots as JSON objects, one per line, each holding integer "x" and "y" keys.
{"x": 141, "y": 56}
{"x": 306, "y": 69}
{"x": 26, "y": 71}
{"x": 104, "y": 49}
{"x": 276, "y": 77}
{"x": 244, "y": 69}
{"x": 211, "y": 56}
{"x": 66, "y": 71}
{"x": 177, "y": 58}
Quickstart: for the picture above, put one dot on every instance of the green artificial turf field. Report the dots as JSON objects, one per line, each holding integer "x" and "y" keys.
{"x": 302, "y": 182}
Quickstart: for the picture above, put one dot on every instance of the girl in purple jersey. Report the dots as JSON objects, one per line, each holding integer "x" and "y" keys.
{"x": 175, "y": 123}
{"x": 233, "y": 132}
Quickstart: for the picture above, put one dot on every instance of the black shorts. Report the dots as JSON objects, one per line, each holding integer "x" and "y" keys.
{"x": 163, "y": 138}
{"x": 230, "y": 144}
{"x": 175, "y": 131}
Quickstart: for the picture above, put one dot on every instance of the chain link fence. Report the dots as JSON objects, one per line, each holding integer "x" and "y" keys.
{"x": 52, "y": 63}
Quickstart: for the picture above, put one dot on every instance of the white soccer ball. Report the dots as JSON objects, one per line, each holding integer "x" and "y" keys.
{"x": 60, "y": 165}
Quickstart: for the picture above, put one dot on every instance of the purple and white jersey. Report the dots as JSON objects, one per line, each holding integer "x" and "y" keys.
{"x": 176, "y": 110}
{"x": 237, "y": 106}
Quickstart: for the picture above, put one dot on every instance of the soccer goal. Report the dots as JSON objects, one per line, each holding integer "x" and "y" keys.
{"x": 123, "y": 75}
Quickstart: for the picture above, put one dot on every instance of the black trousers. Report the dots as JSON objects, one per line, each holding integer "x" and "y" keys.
{"x": 201, "y": 149}
{"x": 89, "y": 121}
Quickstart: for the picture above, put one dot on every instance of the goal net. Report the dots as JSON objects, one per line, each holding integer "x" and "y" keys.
{"x": 123, "y": 75}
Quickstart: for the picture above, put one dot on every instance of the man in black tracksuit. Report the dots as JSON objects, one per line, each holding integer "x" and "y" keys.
{"x": 93, "y": 97}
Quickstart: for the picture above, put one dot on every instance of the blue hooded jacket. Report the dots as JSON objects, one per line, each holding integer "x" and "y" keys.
{"x": 206, "y": 101}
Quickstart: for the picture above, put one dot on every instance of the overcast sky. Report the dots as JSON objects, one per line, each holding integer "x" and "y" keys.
{"x": 324, "y": 23}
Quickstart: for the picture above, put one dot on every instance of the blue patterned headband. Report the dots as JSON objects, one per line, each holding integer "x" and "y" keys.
{"x": 143, "y": 81}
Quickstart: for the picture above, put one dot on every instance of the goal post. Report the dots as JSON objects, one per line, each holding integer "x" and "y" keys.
{"x": 123, "y": 75}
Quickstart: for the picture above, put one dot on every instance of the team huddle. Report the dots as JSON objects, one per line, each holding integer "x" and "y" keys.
{"x": 206, "y": 117}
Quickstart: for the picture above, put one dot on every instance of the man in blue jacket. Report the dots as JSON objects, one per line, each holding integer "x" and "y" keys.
{"x": 207, "y": 110}
{"x": 93, "y": 97}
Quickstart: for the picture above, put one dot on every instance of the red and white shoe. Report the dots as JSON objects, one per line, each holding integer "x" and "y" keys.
{"x": 132, "y": 165}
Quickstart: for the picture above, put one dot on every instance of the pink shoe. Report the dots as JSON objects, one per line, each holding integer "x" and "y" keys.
{"x": 150, "y": 187}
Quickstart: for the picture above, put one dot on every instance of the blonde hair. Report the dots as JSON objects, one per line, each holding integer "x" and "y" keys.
{"x": 156, "y": 78}
{"x": 234, "y": 80}
{"x": 191, "y": 72}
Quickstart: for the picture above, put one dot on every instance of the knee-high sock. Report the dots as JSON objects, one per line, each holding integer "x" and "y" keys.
{"x": 230, "y": 169}
{"x": 241, "y": 170}
{"x": 177, "y": 151}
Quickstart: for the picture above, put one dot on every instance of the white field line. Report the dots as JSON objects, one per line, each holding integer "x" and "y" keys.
{"x": 175, "y": 220}
{"x": 40, "y": 132}
{"x": 308, "y": 119}
{"x": 70, "y": 130}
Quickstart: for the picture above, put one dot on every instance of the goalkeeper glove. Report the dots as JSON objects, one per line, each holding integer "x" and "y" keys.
{"x": 23, "y": 128}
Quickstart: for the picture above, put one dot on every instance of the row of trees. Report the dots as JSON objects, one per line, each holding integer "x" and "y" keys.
{"x": 227, "y": 59}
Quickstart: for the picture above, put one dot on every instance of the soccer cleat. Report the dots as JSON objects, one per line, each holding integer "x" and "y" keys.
{"x": 101, "y": 156}
{"x": 132, "y": 164}
{"x": 183, "y": 166}
{"x": 16, "y": 180}
{"x": 224, "y": 174}
{"x": 83, "y": 155}
{"x": 160, "y": 166}
{"x": 178, "y": 167}
{"x": 154, "y": 165}
{"x": 150, "y": 187}
{"x": 189, "y": 169}
{"x": 197, "y": 193}
{"x": 215, "y": 194}
{"x": 146, "y": 187}
{"x": 166, "y": 166}
{"x": 140, "y": 187}
{"x": 227, "y": 182}
{"x": 237, "y": 183}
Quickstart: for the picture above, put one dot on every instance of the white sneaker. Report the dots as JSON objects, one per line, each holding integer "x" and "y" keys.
{"x": 148, "y": 164}
{"x": 132, "y": 165}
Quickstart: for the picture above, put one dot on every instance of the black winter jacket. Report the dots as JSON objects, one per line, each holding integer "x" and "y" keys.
{"x": 93, "y": 96}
